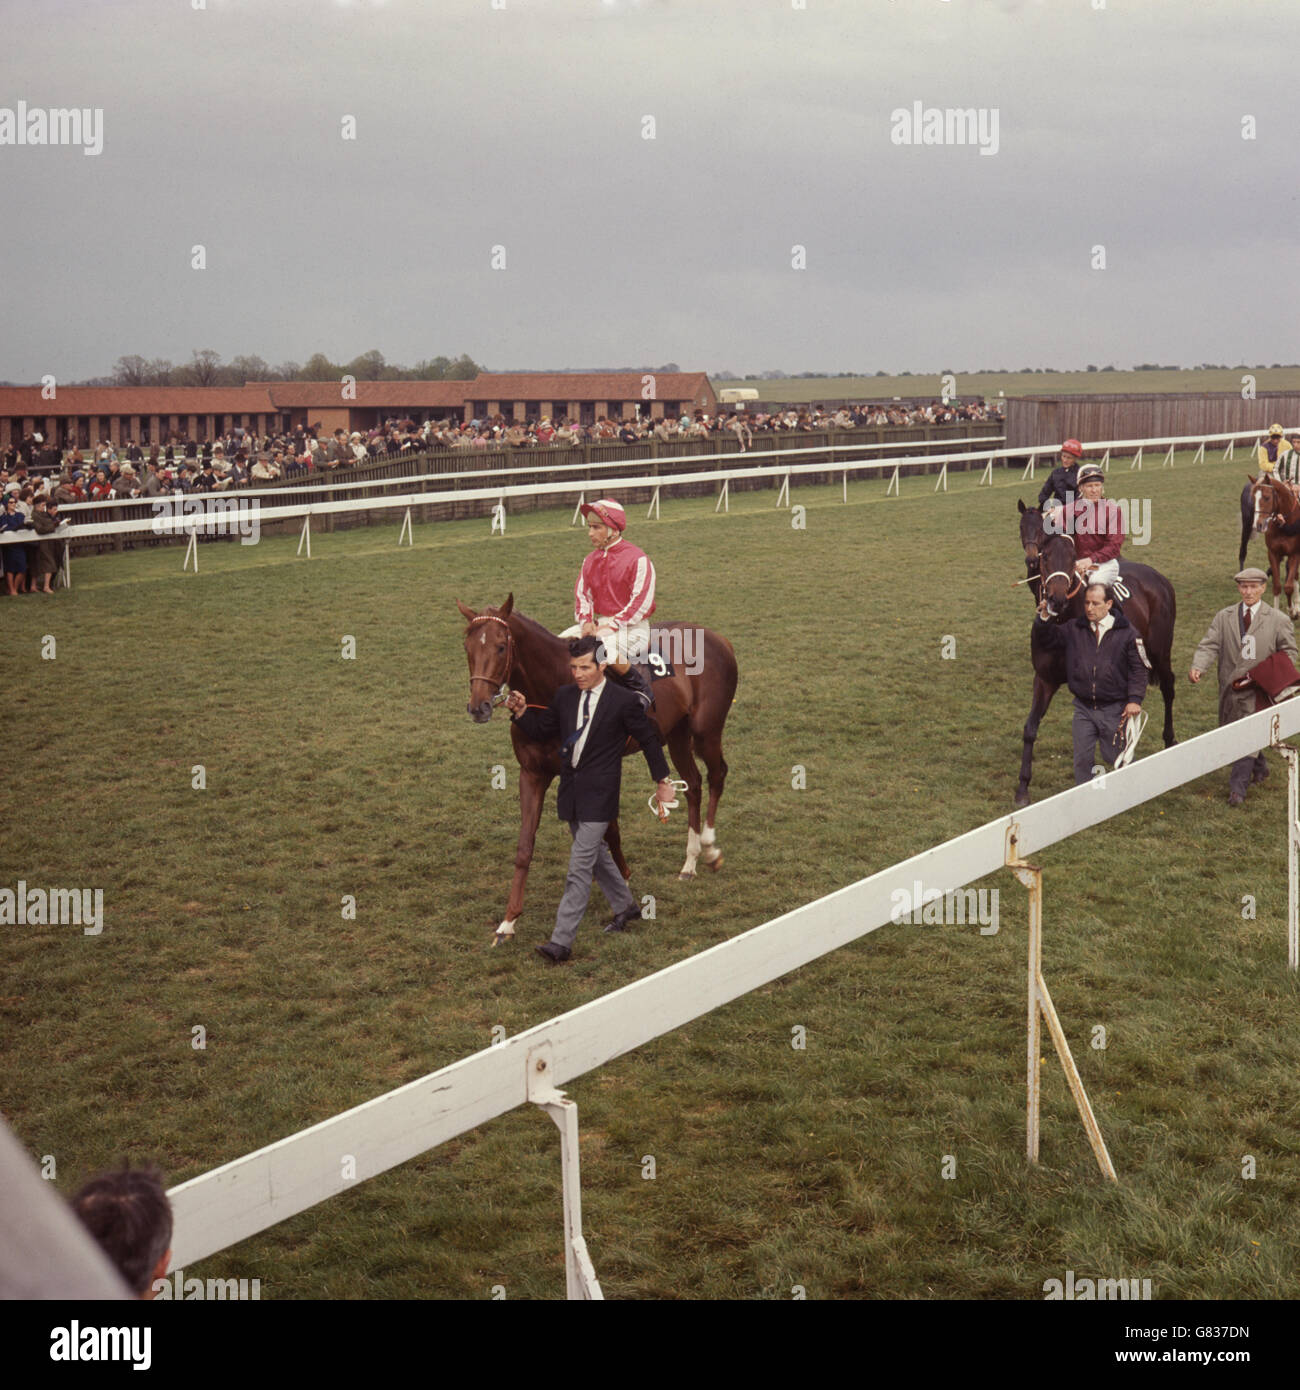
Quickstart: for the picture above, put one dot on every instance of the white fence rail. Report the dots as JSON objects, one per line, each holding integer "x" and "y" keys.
{"x": 246, "y": 1196}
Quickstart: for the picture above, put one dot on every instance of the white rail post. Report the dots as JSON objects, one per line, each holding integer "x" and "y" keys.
{"x": 846, "y": 484}
{"x": 577, "y": 511}
{"x": 653, "y": 509}
{"x": 1169, "y": 458}
{"x": 1292, "y": 846}
{"x": 1137, "y": 461}
{"x": 67, "y": 564}
{"x": 191, "y": 551}
{"x": 1041, "y": 1006}
{"x": 1227, "y": 453}
{"x": 1105, "y": 462}
{"x": 943, "y": 479}
{"x": 723, "y": 500}
{"x": 579, "y": 1273}
{"x": 987, "y": 475}
{"x": 406, "y": 529}
{"x": 305, "y": 536}
{"x": 783, "y": 497}
{"x": 1028, "y": 474}
{"x": 1200, "y": 453}
{"x": 499, "y": 517}
{"x": 893, "y": 484}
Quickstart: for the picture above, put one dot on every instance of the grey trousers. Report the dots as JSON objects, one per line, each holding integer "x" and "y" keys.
{"x": 1091, "y": 727}
{"x": 589, "y": 860}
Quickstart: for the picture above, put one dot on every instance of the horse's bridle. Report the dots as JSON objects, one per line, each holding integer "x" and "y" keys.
{"x": 1075, "y": 575}
{"x": 504, "y": 688}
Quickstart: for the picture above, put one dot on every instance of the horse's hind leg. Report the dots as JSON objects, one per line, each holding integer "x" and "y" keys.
{"x": 1292, "y": 564}
{"x": 709, "y": 747}
{"x": 679, "y": 750}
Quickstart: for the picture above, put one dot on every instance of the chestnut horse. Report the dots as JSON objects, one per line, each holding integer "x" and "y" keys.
{"x": 1150, "y": 607}
{"x": 1280, "y": 506}
{"x": 507, "y": 650}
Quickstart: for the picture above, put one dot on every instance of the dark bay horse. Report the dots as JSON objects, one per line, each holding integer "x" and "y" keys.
{"x": 1279, "y": 506}
{"x": 1150, "y": 607}
{"x": 1252, "y": 518}
{"x": 506, "y": 649}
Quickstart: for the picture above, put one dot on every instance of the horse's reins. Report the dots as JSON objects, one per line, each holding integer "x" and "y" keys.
{"x": 504, "y": 689}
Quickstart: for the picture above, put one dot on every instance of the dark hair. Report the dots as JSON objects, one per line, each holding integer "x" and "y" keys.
{"x": 128, "y": 1214}
{"x": 1106, "y": 592}
{"x": 580, "y": 646}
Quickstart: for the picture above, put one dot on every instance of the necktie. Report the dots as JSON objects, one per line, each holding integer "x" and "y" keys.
{"x": 1096, "y": 632}
{"x": 1245, "y": 621}
{"x": 572, "y": 742}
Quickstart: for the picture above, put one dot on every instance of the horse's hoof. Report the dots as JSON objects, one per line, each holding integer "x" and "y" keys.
{"x": 715, "y": 864}
{"x": 1022, "y": 800}
{"x": 684, "y": 877}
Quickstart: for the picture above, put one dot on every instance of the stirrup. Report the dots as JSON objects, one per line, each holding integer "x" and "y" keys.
{"x": 1133, "y": 727}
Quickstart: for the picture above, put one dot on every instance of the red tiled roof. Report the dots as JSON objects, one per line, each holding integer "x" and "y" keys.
{"x": 136, "y": 400}
{"x": 371, "y": 395}
{"x": 586, "y": 386}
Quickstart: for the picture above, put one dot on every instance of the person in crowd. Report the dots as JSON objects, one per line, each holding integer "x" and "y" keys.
{"x": 128, "y": 1214}
{"x": 14, "y": 556}
{"x": 49, "y": 552}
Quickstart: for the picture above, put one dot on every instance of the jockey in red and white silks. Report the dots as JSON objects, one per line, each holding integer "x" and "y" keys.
{"x": 615, "y": 593}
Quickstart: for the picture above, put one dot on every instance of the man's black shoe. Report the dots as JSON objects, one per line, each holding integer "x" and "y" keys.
{"x": 620, "y": 920}
{"x": 555, "y": 954}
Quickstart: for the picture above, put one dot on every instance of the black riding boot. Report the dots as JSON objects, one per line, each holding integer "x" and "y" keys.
{"x": 637, "y": 683}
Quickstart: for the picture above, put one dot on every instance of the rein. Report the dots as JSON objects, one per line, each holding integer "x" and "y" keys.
{"x": 504, "y": 688}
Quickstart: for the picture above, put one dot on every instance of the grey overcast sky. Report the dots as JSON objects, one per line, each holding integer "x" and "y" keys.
{"x": 519, "y": 124}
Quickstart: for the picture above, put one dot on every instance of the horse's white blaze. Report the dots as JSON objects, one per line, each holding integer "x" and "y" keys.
{"x": 692, "y": 851}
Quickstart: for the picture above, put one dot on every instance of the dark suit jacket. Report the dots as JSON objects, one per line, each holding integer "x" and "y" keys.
{"x": 590, "y": 791}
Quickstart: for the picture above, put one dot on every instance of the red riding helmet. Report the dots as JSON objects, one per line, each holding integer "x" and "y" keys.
{"x": 1072, "y": 447}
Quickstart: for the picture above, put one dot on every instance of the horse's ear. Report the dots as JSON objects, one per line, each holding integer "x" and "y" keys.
{"x": 1020, "y": 502}
{"x": 468, "y": 613}
{"x": 505, "y": 608}
{"x": 1250, "y": 478}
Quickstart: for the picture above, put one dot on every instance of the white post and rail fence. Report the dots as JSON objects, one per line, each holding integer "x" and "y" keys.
{"x": 250, "y": 1194}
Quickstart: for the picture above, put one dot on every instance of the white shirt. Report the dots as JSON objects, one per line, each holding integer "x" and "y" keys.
{"x": 592, "y": 699}
{"x": 1253, "y": 610}
{"x": 1099, "y": 630}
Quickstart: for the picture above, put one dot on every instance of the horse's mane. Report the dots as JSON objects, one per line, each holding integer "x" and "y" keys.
{"x": 533, "y": 626}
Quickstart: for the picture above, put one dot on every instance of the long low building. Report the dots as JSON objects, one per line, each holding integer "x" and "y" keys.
{"x": 81, "y": 416}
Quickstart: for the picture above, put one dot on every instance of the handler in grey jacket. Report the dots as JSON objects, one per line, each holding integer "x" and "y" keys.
{"x": 1105, "y": 674}
{"x": 1240, "y": 637}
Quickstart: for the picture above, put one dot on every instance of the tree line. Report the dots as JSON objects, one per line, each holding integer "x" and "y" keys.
{"x": 205, "y": 368}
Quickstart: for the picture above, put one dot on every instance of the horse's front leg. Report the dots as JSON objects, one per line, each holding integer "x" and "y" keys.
{"x": 1292, "y": 565}
{"x": 532, "y": 796}
{"x": 614, "y": 840}
{"x": 1043, "y": 692}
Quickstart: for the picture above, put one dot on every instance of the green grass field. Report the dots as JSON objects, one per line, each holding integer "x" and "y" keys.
{"x": 988, "y": 384}
{"x": 775, "y": 1167}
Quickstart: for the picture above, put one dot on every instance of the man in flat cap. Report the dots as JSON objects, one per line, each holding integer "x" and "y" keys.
{"x": 1241, "y": 636}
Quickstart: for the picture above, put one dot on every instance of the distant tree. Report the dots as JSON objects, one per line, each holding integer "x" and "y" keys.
{"x": 241, "y": 369}
{"x": 672, "y": 367}
{"x": 318, "y": 367}
{"x": 286, "y": 371}
{"x": 1108, "y": 369}
{"x": 368, "y": 366}
{"x": 882, "y": 372}
{"x": 130, "y": 371}
{"x": 464, "y": 368}
{"x": 716, "y": 376}
{"x": 203, "y": 368}
{"x": 160, "y": 372}
{"x": 1092, "y": 368}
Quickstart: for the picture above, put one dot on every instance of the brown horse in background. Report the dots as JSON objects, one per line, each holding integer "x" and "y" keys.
{"x": 506, "y": 650}
{"x": 1280, "y": 504}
